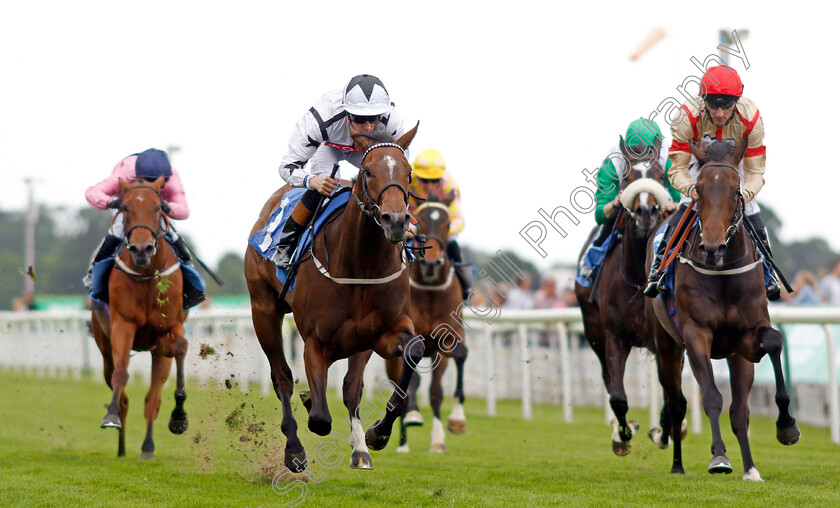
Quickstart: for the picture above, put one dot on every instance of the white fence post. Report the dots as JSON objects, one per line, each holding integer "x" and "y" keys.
{"x": 833, "y": 402}
{"x": 525, "y": 357}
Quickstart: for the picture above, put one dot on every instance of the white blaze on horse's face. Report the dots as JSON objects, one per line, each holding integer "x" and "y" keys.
{"x": 435, "y": 215}
{"x": 392, "y": 165}
{"x": 643, "y": 168}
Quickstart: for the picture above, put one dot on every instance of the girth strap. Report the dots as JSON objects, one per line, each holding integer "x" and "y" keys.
{"x": 346, "y": 280}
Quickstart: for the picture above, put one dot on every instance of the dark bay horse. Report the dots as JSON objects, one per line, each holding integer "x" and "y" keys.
{"x": 435, "y": 297}
{"x": 358, "y": 304}
{"x": 721, "y": 312}
{"x": 614, "y": 321}
{"x": 146, "y": 312}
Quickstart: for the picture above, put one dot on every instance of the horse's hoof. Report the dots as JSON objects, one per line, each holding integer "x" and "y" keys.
{"x": 677, "y": 470}
{"x": 456, "y": 426}
{"x": 413, "y": 419}
{"x": 178, "y": 424}
{"x": 111, "y": 421}
{"x": 437, "y": 448}
{"x": 627, "y": 433}
{"x": 752, "y": 475}
{"x": 146, "y": 456}
{"x": 789, "y": 435}
{"x": 320, "y": 426}
{"x": 720, "y": 464}
{"x": 374, "y": 440}
{"x": 403, "y": 448}
{"x": 296, "y": 462}
{"x": 306, "y": 399}
{"x": 658, "y": 437}
{"x": 621, "y": 448}
{"x": 361, "y": 460}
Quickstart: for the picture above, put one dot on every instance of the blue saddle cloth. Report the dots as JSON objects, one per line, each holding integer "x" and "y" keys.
{"x": 592, "y": 259}
{"x": 265, "y": 240}
{"x": 194, "y": 285}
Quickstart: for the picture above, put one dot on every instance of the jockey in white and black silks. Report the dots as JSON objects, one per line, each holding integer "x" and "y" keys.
{"x": 718, "y": 112}
{"x": 323, "y": 137}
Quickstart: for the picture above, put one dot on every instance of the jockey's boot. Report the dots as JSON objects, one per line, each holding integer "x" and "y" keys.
{"x": 182, "y": 250}
{"x": 105, "y": 250}
{"x": 292, "y": 230}
{"x": 656, "y": 279}
{"x": 465, "y": 277}
{"x": 774, "y": 290}
{"x": 463, "y": 271}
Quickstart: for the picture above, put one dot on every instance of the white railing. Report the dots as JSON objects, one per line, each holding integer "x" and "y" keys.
{"x": 565, "y": 372}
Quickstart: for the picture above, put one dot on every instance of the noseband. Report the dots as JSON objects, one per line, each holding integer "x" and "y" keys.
{"x": 370, "y": 207}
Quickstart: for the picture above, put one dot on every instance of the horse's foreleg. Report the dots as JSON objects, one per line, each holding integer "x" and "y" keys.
{"x": 617, "y": 352}
{"x": 436, "y": 399}
{"x": 411, "y": 415}
{"x": 787, "y": 432}
{"x": 122, "y": 338}
{"x": 161, "y": 365}
{"x": 352, "y": 390}
{"x": 178, "y": 423}
{"x": 698, "y": 344}
{"x": 104, "y": 344}
{"x": 320, "y": 421}
{"x": 457, "y": 421}
{"x": 412, "y": 352}
{"x": 268, "y": 327}
{"x": 669, "y": 364}
{"x": 741, "y": 374}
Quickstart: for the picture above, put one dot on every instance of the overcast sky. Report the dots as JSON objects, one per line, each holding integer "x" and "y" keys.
{"x": 519, "y": 97}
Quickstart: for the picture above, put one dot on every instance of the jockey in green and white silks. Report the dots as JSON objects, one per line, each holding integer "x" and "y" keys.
{"x": 642, "y": 135}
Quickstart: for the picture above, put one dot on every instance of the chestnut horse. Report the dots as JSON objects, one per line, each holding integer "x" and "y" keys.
{"x": 146, "y": 312}
{"x": 613, "y": 321}
{"x": 721, "y": 312}
{"x": 435, "y": 297}
{"x": 356, "y": 303}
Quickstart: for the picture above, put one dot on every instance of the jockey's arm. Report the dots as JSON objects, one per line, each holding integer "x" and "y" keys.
{"x": 680, "y": 156}
{"x": 606, "y": 191}
{"x": 754, "y": 160}
{"x": 305, "y": 140}
{"x": 456, "y": 221}
{"x": 173, "y": 194}
{"x": 100, "y": 194}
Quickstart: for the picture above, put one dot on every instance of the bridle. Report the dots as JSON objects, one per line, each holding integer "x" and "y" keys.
{"x": 740, "y": 211}
{"x": 370, "y": 207}
{"x": 157, "y": 233}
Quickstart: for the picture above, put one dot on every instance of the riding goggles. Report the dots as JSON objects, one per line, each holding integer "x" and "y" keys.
{"x": 715, "y": 101}
{"x": 360, "y": 119}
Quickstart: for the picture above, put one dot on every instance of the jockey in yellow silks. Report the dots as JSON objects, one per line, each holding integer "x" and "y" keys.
{"x": 434, "y": 183}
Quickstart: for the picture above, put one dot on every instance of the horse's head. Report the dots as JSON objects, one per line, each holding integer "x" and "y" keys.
{"x": 434, "y": 224}
{"x": 643, "y": 194}
{"x": 720, "y": 204}
{"x": 142, "y": 215}
{"x": 382, "y": 184}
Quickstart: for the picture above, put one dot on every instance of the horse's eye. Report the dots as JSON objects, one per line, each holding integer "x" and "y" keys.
{"x": 367, "y": 173}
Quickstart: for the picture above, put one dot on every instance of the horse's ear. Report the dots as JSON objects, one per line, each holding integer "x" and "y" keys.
{"x": 698, "y": 152}
{"x": 158, "y": 184}
{"x": 741, "y": 149}
{"x": 657, "y": 147}
{"x": 622, "y": 146}
{"x": 407, "y": 138}
{"x": 123, "y": 184}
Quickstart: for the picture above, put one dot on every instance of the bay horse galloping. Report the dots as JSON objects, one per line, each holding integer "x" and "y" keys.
{"x": 358, "y": 304}
{"x": 146, "y": 312}
{"x": 435, "y": 297}
{"x": 721, "y": 312}
{"x": 613, "y": 321}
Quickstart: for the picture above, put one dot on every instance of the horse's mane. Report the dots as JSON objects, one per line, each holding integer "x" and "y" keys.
{"x": 718, "y": 149}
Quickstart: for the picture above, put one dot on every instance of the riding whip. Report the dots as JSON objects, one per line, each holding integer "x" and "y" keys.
{"x": 311, "y": 228}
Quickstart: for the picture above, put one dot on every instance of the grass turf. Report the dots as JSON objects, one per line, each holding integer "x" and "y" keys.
{"x": 52, "y": 453}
